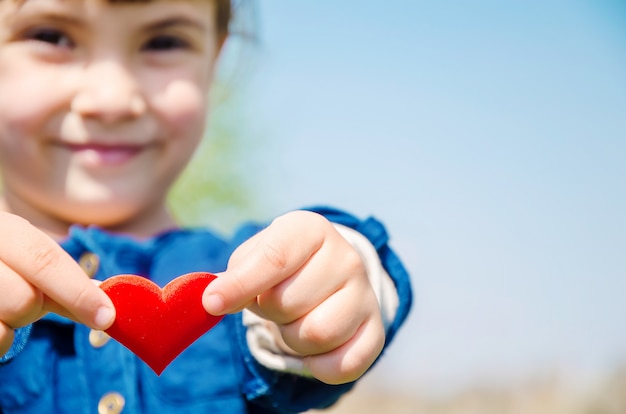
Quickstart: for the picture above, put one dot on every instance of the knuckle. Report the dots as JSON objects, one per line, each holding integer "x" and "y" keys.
{"x": 316, "y": 332}
{"x": 240, "y": 285}
{"x": 353, "y": 262}
{"x": 83, "y": 297}
{"x": 43, "y": 258}
{"x": 275, "y": 256}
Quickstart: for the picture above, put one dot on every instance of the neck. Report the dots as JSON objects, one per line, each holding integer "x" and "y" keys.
{"x": 143, "y": 224}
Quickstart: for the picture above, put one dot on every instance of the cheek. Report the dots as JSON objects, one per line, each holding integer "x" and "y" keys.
{"x": 27, "y": 100}
{"x": 18, "y": 118}
{"x": 14, "y": 111}
{"x": 182, "y": 107}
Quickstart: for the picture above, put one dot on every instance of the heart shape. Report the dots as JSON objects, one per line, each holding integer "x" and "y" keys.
{"x": 158, "y": 324}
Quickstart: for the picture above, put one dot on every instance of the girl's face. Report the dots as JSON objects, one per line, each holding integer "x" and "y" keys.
{"x": 101, "y": 106}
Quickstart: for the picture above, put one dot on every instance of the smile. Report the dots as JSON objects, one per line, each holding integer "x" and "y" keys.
{"x": 101, "y": 155}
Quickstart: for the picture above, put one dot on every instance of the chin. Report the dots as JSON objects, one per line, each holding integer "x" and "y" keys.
{"x": 108, "y": 215}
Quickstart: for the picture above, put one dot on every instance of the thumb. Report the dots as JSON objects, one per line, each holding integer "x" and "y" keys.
{"x": 225, "y": 295}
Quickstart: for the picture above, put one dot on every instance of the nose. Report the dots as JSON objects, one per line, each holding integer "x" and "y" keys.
{"x": 109, "y": 92}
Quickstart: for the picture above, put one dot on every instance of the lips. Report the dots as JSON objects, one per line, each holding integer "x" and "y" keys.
{"x": 105, "y": 154}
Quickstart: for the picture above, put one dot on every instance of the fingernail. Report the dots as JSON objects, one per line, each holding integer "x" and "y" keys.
{"x": 214, "y": 304}
{"x": 104, "y": 317}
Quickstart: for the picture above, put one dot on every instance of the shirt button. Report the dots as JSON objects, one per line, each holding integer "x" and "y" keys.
{"x": 111, "y": 403}
{"x": 89, "y": 262}
{"x": 98, "y": 339}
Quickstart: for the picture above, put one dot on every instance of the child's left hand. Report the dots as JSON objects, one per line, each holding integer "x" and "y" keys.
{"x": 304, "y": 276}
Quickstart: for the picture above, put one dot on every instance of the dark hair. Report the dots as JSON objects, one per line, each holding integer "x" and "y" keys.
{"x": 223, "y": 13}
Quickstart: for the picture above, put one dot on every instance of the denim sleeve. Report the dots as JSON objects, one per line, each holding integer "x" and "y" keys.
{"x": 287, "y": 393}
{"x": 21, "y": 337}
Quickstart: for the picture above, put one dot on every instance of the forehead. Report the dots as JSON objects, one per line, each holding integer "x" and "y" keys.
{"x": 223, "y": 9}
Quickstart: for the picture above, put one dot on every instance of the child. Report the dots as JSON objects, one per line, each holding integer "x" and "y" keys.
{"x": 102, "y": 103}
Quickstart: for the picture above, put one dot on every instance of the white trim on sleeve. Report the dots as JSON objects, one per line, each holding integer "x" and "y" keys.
{"x": 261, "y": 338}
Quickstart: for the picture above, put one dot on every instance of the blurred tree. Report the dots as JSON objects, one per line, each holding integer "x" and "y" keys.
{"x": 216, "y": 188}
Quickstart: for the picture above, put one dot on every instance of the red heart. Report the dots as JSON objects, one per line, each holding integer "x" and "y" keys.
{"x": 157, "y": 325}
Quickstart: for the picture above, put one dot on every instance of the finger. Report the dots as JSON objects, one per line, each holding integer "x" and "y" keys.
{"x": 6, "y": 338}
{"x": 275, "y": 254}
{"x": 43, "y": 263}
{"x": 351, "y": 360}
{"x": 21, "y": 303}
{"x": 320, "y": 277}
{"x": 328, "y": 326}
{"x": 51, "y": 306}
{"x": 333, "y": 321}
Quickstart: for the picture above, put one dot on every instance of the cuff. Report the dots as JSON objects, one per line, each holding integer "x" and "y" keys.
{"x": 19, "y": 342}
{"x": 261, "y": 338}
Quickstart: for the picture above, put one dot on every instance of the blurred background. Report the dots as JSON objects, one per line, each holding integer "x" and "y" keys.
{"x": 490, "y": 138}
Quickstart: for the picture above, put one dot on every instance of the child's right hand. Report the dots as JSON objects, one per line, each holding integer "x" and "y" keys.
{"x": 37, "y": 276}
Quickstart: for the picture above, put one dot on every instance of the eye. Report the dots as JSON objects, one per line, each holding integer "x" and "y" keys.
{"x": 50, "y": 36}
{"x": 165, "y": 43}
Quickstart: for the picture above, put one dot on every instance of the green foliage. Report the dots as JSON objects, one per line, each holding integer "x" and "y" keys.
{"x": 216, "y": 188}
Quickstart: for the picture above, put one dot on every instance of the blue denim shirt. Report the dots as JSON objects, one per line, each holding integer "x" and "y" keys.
{"x": 54, "y": 368}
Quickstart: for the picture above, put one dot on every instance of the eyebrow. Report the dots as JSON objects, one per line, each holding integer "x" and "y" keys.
{"x": 53, "y": 15}
{"x": 175, "y": 22}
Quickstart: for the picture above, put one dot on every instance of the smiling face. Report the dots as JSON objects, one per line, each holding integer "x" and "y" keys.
{"x": 101, "y": 106}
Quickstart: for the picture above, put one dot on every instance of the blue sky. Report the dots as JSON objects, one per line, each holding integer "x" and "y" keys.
{"x": 490, "y": 137}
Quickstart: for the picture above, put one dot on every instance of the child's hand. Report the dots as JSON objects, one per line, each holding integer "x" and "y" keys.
{"x": 304, "y": 276}
{"x": 37, "y": 277}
